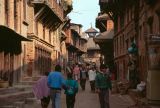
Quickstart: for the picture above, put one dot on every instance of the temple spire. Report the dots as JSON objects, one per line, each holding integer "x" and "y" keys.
{"x": 91, "y": 25}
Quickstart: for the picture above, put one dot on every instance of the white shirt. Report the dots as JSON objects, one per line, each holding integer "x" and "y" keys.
{"x": 92, "y": 75}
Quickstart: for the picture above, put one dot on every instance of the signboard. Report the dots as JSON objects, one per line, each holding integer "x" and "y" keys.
{"x": 154, "y": 39}
{"x": 154, "y": 51}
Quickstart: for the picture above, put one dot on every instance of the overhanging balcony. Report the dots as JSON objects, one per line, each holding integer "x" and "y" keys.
{"x": 48, "y": 9}
{"x": 114, "y": 7}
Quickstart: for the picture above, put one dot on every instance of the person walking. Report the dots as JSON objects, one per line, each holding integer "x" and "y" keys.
{"x": 103, "y": 84}
{"x": 83, "y": 77}
{"x": 42, "y": 91}
{"x": 71, "y": 90}
{"x": 76, "y": 72}
{"x": 92, "y": 75}
{"x": 56, "y": 82}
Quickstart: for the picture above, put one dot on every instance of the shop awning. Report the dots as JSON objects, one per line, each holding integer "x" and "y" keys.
{"x": 8, "y": 34}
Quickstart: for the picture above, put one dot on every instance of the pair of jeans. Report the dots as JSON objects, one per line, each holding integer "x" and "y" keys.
{"x": 56, "y": 98}
{"x": 104, "y": 98}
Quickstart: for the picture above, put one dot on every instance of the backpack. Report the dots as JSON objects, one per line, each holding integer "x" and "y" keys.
{"x": 70, "y": 87}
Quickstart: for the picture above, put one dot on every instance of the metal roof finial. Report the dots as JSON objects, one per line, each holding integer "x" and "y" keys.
{"x": 91, "y": 25}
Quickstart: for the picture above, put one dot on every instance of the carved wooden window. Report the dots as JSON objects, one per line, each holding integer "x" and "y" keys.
{"x": 54, "y": 36}
{"x": 15, "y": 15}
{"x": 36, "y": 28}
{"x": 44, "y": 32}
{"x": 50, "y": 36}
{"x": 159, "y": 23}
{"x": 24, "y": 9}
{"x": 123, "y": 44}
{"x": 140, "y": 32}
{"x": 150, "y": 23}
{"x": 127, "y": 44}
{"x": 7, "y": 12}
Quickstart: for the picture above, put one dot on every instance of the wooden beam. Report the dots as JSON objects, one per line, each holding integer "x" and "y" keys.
{"x": 39, "y": 13}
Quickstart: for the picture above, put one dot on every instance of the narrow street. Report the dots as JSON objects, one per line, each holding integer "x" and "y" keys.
{"x": 121, "y": 36}
{"x": 87, "y": 99}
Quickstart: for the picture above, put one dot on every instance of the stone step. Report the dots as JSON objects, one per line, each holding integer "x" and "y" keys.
{"x": 30, "y": 100}
{"x": 19, "y": 104}
{"x": 8, "y": 106}
{"x": 24, "y": 87}
{"x": 27, "y": 82}
{"x": 27, "y": 79}
{"x": 34, "y": 78}
{"x": 32, "y": 103}
{"x": 9, "y": 99}
{"x": 10, "y": 90}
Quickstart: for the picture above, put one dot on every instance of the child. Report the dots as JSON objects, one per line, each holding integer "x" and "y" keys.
{"x": 72, "y": 89}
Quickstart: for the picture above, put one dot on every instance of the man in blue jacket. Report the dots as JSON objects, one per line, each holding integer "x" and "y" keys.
{"x": 56, "y": 82}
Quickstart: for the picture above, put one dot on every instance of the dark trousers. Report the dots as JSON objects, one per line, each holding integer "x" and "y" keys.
{"x": 70, "y": 100}
{"x": 83, "y": 83}
{"x": 92, "y": 83}
{"x": 104, "y": 98}
{"x": 45, "y": 102}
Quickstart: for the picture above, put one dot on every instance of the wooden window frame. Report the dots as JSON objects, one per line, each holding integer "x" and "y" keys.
{"x": 24, "y": 9}
{"x": 7, "y": 12}
{"x": 15, "y": 15}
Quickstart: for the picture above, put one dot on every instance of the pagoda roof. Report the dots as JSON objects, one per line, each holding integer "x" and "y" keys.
{"x": 91, "y": 30}
{"x": 107, "y": 35}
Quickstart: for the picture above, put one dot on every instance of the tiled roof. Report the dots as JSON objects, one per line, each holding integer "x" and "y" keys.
{"x": 91, "y": 44}
{"x": 105, "y": 35}
{"x": 103, "y": 16}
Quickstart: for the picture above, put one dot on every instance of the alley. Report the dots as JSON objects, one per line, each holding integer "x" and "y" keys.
{"x": 84, "y": 99}
{"x": 87, "y": 99}
{"x": 122, "y": 35}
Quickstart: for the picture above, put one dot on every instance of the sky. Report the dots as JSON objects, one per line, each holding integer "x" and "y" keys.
{"x": 84, "y": 12}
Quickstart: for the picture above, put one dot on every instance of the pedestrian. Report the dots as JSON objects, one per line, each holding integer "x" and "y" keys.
{"x": 42, "y": 91}
{"x": 83, "y": 77}
{"x": 56, "y": 82}
{"x": 103, "y": 84}
{"x": 71, "y": 90}
{"x": 92, "y": 75}
{"x": 76, "y": 72}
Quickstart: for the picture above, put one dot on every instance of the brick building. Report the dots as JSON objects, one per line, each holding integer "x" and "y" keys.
{"x": 31, "y": 41}
{"x": 105, "y": 39}
{"x": 76, "y": 44}
{"x": 136, "y": 22}
{"x": 13, "y": 30}
{"x": 45, "y": 19}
